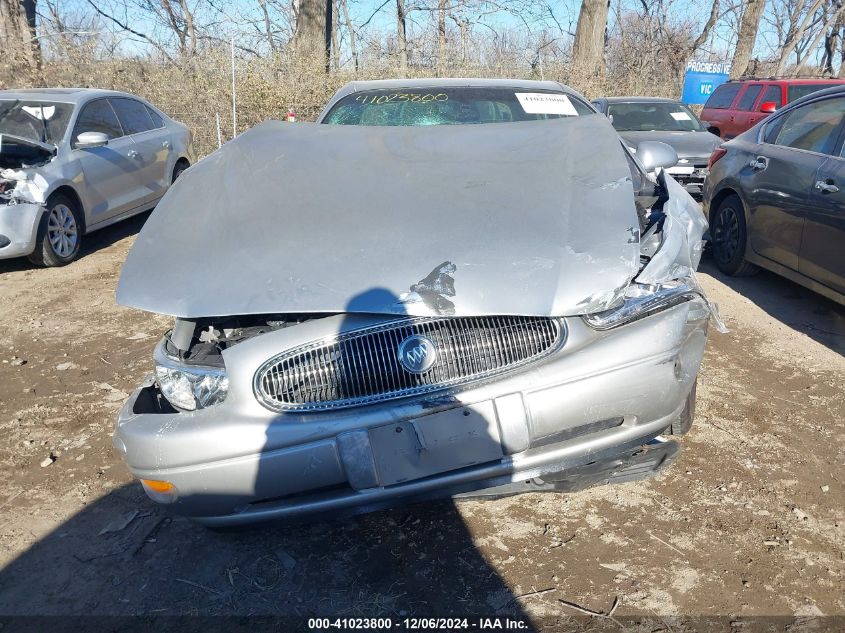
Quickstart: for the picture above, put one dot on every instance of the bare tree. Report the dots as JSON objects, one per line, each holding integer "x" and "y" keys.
{"x": 832, "y": 39}
{"x": 747, "y": 36}
{"x": 312, "y": 37}
{"x": 835, "y": 15}
{"x": 268, "y": 25}
{"x": 402, "y": 36}
{"x": 353, "y": 44}
{"x": 796, "y": 33}
{"x": 588, "y": 48}
{"x": 335, "y": 35}
{"x": 17, "y": 32}
{"x": 441, "y": 35}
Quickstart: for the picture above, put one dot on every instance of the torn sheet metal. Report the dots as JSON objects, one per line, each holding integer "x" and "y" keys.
{"x": 512, "y": 218}
{"x": 682, "y": 244}
{"x": 22, "y": 186}
{"x": 434, "y": 290}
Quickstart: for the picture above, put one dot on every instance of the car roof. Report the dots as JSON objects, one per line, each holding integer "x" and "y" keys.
{"x": 640, "y": 100}
{"x": 64, "y": 95}
{"x": 787, "y": 80}
{"x": 452, "y": 82}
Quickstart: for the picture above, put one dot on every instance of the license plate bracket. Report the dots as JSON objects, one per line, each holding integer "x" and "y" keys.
{"x": 432, "y": 444}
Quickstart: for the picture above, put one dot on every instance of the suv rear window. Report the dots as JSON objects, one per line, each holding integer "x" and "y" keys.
{"x": 723, "y": 96}
{"x": 797, "y": 91}
{"x": 453, "y": 106}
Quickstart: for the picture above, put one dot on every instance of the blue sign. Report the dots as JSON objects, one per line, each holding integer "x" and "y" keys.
{"x": 701, "y": 80}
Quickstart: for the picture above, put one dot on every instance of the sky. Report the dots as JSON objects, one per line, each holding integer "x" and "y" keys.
{"x": 564, "y": 15}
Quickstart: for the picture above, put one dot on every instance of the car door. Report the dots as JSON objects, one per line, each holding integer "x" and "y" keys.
{"x": 110, "y": 186}
{"x": 821, "y": 257}
{"x": 717, "y": 111}
{"x": 778, "y": 183}
{"x": 152, "y": 144}
{"x": 772, "y": 94}
{"x": 745, "y": 108}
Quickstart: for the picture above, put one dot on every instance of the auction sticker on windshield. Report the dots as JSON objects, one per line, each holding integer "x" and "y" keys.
{"x": 546, "y": 103}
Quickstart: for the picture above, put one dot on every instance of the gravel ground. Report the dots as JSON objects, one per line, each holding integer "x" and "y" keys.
{"x": 748, "y": 522}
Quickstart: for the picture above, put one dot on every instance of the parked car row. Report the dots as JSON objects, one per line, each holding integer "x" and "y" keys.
{"x": 74, "y": 160}
{"x": 772, "y": 194}
{"x": 775, "y": 195}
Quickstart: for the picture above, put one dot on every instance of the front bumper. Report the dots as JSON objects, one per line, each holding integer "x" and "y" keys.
{"x": 19, "y": 229}
{"x": 591, "y": 405}
{"x": 691, "y": 177}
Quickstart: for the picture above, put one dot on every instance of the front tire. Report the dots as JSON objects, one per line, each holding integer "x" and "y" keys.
{"x": 59, "y": 234}
{"x": 729, "y": 237}
{"x": 181, "y": 165}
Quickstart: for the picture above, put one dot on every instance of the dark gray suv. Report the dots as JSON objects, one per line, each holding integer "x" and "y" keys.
{"x": 775, "y": 196}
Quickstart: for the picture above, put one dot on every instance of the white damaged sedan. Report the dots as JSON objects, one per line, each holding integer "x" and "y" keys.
{"x": 451, "y": 287}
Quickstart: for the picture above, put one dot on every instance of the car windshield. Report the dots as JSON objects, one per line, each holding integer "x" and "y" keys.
{"x": 797, "y": 91}
{"x": 646, "y": 116}
{"x": 43, "y": 121}
{"x": 452, "y": 106}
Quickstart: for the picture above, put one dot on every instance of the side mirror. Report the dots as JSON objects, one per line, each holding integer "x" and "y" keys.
{"x": 768, "y": 107}
{"x": 713, "y": 130}
{"x": 654, "y": 154}
{"x": 610, "y": 116}
{"x": 87, "y": 140}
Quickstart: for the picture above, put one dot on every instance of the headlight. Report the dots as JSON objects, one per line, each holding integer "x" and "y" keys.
{"x": 642, "y": 301}
{"x": 189, "y": 387}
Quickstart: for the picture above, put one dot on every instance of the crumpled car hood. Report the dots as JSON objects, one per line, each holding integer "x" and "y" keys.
{"x": 532, "y": 218}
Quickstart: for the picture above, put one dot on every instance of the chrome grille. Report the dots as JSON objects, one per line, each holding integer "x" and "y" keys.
{"x": 363, "y": 366}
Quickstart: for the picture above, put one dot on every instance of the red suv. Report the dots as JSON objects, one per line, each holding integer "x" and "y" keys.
{"x": 736, "y": 106}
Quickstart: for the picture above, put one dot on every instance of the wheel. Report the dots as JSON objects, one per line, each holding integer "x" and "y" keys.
{"x": 728, "y": 236}
{"x": 181, "y": 165}
{"x": 683, "y": 424}
{"x": 60, "y": 233}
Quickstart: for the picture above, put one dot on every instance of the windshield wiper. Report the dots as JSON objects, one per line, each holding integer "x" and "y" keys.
{"x": 43, "y": 124}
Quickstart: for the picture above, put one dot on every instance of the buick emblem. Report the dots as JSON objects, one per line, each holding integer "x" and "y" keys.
{"x": 417, "y": 354}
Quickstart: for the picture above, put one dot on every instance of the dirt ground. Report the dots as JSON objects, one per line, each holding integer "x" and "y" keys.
{"x": 748, "y": 522}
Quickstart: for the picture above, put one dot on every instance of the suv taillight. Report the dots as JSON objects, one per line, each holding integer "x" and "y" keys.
{"x": 715, "y": 156}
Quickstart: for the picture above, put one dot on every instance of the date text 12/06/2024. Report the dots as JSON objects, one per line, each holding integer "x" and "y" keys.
{"x": 418, "y": 624}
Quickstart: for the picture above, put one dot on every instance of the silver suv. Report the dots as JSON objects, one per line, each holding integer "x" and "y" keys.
{"x": 75, "y": 160}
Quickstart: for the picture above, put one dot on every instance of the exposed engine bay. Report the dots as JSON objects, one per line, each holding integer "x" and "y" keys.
{"x": 17, "y": 156}
{"x": 203, "y": 342}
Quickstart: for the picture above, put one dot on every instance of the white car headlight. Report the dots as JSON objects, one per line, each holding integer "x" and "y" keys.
{"x": 642, "y": 301}
{"x": 189, "y": 387}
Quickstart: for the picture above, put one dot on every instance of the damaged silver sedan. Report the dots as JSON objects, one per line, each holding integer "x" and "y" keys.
{"x": 398, "y": 306}
{"x": 75, "y": 160}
